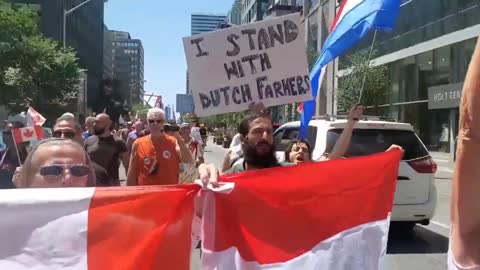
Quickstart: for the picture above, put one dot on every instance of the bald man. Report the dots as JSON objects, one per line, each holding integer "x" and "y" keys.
{"x": 105, "y": 149}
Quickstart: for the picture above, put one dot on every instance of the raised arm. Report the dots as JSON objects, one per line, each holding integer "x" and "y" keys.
{"x": 465, "y": 204}
{"x": 342, "y": 144}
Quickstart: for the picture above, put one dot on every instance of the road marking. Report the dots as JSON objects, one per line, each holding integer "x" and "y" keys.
{"x": 443, "y": 169}
{"x": 445, "y": 226}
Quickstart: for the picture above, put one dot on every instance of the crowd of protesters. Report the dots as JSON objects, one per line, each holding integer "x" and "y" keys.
{"x": 155, "y": 152}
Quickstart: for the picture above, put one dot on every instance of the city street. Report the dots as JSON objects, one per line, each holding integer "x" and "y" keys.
{"x": 425, "y": 248}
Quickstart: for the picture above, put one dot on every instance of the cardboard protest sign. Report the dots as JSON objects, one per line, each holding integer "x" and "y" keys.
{"x": 259, "y": 62}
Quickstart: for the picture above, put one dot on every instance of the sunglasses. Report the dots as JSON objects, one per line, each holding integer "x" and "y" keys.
{"x": 59, "y": 170}
{"x": 158, "y": 121}
{"x": 66, "y": 134}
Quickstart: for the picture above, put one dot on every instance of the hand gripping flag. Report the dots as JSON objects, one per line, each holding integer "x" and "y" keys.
{"x": 96, "y": 228}
{"x": 331, "y": 215}
{"x": 354, "y": 20}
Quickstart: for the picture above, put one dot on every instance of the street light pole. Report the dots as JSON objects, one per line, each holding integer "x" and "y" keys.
{"x": 65, "y": 14}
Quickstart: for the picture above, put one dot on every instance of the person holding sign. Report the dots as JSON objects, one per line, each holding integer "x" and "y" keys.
{"x": 465, "y": 206}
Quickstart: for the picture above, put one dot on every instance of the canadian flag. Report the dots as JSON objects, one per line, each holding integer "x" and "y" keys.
{"x": 34, "y": 118}
{"x": 331, "y": 215}
{"x": 96, "y": 228}
{"x": 27, "y": 134}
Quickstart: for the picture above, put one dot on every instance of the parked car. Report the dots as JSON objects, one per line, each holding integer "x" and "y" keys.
{"x": 415, "y": 195}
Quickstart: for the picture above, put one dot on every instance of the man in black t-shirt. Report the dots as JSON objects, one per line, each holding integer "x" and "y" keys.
{"x": 106, "y": 149}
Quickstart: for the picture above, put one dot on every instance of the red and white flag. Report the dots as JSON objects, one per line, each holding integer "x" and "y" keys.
{"x": 96, "y": 229}
{"x": 331, "y": 215}
{"x": 34, "y": 118}
{"x": 28, "y": 133}
{"x": 158, "y": 102}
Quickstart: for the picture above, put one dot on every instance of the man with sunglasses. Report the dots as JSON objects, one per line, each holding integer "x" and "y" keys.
{"x": 67, "y": 128}
{"x": 156, "y": 158}
{"x": 106, "y": 149}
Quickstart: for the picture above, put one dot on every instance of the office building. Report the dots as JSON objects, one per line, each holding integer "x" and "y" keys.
{"x": 254, "y": 10}
{"x": 84, "y": 33}
{"x": 234, "y": 16}
{"x": 202, "y": 23}
{"x": 107, "y": 53}
{"x": 128, "y": 66}
{"x": 279, "y": 8}
{"x": 169, "y": 113}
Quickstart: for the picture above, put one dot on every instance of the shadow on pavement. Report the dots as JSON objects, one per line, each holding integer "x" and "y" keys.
{"x": 418, "y": 241}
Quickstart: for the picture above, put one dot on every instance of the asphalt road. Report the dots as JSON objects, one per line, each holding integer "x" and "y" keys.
{"x": 424, "y": 248}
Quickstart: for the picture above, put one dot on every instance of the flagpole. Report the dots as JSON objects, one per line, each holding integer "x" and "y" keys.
{"x": 16, "y": 149}
{"x": 368, "y": 62}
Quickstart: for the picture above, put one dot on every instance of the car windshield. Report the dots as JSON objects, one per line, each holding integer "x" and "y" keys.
{"x": 372, "y": 141}
{"x": 283, "y": 136}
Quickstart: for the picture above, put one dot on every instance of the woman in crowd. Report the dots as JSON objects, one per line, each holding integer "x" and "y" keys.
{"x": 298, "y": 151}
{"x": 188, "y": 171}
{"x": 56, "y": 163}
{"x": 465, "y": 205}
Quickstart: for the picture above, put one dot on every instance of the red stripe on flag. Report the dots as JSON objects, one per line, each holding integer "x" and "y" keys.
{"x": 17, "y": 135}
{"x": 141, "y": 228}
{"x": 339, "y": 13}
{"x": 280, "y": 214}
{"x": 300, "y": 108}
{"x": 39, "y": 132}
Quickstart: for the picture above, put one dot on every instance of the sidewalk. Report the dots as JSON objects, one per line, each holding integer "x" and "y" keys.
{"x": 444, "y": 165}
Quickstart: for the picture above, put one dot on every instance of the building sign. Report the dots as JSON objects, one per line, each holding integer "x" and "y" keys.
{"x": 445, "y": 96}
{"x": 184, "y": 103}
{"x": 264, "y": 61}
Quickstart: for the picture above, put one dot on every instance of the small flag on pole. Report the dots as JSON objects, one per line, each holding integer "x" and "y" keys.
{"x": 27, "y": 134}
{"x": 34, "y": 118}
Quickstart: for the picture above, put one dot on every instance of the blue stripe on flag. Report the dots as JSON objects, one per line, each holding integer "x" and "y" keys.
{"x": 370, "y": 14}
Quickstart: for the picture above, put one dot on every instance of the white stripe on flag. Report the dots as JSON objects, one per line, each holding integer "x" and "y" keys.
{"x": 44, "y": 232}
{"x": 349, "y": 5}
{"x": 356, "y": 248}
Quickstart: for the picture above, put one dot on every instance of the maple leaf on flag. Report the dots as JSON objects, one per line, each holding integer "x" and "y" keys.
{"x": 28, "y": 133}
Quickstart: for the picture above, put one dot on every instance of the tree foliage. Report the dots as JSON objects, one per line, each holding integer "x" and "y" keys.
{"x": 376, "y": 84}
{"x": 33, "y": 68}
{"x": 312, "y": 55}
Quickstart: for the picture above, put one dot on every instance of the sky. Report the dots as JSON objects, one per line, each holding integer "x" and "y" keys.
{"x": 161, "y": 25}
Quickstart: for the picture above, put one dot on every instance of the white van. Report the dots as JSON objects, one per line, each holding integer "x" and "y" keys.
{"x": 415, "y": 195}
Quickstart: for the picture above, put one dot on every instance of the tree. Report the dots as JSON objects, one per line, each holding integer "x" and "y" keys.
{"x": 34, "y": 70}
{"x": 312, "y": 56}
{"x": 375, "y": 92}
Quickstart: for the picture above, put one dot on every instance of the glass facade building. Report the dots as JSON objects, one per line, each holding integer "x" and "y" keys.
{"x": 254, "y": 10}
{"x": 128, "y": 65}
{"x": 425, "y": 52}
{"x": 202, "y": 23}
